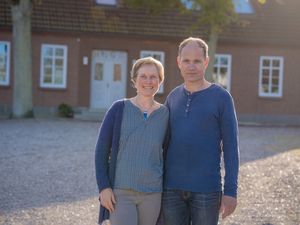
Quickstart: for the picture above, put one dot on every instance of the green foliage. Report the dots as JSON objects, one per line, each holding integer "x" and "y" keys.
{"x": 217, "y": 14}
{"x": 65, "y": 110}
{"x": 29, "y": 114}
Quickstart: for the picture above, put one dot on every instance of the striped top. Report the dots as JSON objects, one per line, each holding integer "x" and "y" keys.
{"x": 140, "y": 157}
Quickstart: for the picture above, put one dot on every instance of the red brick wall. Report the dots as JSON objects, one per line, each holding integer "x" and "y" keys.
{"x": 52, "y": 96}
{"x": 245, "y": 79}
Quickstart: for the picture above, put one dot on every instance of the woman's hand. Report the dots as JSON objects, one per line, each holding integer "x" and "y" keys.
{"x": 107, "y": 199}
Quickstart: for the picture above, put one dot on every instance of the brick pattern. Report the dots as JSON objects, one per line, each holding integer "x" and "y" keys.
{"x": 273, "y": 22}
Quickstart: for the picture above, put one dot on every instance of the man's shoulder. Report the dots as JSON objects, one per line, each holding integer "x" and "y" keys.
{"x": 176, "y": 90}
{"x": 221, "y": 91}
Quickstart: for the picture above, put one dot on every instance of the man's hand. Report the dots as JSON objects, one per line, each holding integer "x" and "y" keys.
{"x": 228, "y": 205}
{"x": 107, "y": 199}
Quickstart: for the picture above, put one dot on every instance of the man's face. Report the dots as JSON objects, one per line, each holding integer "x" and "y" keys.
{"x": 192, "y": 63}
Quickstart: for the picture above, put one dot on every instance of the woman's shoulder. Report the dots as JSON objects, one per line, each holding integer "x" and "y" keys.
{"x": 118, "y": 104}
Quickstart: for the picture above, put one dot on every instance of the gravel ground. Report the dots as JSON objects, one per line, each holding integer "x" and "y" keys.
{"x": 47, "y": 174}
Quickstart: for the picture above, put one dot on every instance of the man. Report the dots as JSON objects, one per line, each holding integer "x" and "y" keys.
{"x": 203, "y": 125}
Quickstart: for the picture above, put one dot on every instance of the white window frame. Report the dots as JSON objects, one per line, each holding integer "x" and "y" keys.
{"x": 63, "y": 85}
{"x": 7, "y": 69}
{"x": 219, "y": 66}
{"x": 261, "y": 67}
{"x": 146, "y": 53}
{"x": 106, "y": 2}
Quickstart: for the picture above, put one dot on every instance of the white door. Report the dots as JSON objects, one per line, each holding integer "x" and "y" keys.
{"x": 109, "y": 69}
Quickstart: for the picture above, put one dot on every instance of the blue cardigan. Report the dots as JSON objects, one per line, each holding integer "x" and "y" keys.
{"x": 107, "y": 150}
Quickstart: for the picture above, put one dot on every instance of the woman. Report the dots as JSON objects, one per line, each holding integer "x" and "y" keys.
{"x": 129, "y": 153}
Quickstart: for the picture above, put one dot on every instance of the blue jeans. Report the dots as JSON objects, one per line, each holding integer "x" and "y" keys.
{"x": 183, "y": 207}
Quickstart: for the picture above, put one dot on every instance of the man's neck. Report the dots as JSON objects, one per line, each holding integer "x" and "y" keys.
{"x": 197, "y": 86}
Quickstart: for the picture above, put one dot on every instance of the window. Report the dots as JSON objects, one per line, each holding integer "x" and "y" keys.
{"x": 106, "y": 2}
{"x": 53, "y": 66}
{"x": 4, "y": 62}
{"x": 270, "y": 76}
{"x": 240, "y": 6}
{"x": 222, "y": 70}
{"x": 160, "y": 56}
{"x": 190, "y": 4}
{"x": 243, "y": 6}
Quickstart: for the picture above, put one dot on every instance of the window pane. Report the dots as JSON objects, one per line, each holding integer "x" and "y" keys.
{"x": 3, "y": 62}
{"x": 275, "y": 73}
{"x": 117, "y": 72}
{"x": 157, "y": 56}
{"x": 98, "y": 71}
{"x": 48, "y": 75}
{"x": 59, "y": 52}
{"x": 223, "y": 71}
{"x": 47, "y": 62}
{"x": 243, "y": 6}
{"x": 47, "y": 80}
{"x": 276, "y": 63}
{"x": 266, "y": 62}
{"x": 48, "y": 51}
{"x": 2, "y": 75}
{"x": 146, "y": 55}
{"x": 223, "y": 77}
{"x": 106, "y": 2}
{"x": 265, "y": 72}
{"x": 265, "y": 80}
{"x": 224, "y": 61}
{"x": 275, "y": 89}
{"x": 265, "y": 88}
{"x": 2, "y": 72}
{"x": 216, "y": 61}
{"x": 275, "y": 81}
{"x": 58, "y": 78}
{"x": 3, "y": 55}
{"x": 59, "y": 62}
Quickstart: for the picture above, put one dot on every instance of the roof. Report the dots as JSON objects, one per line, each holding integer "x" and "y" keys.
{"x": 273, "y": 22}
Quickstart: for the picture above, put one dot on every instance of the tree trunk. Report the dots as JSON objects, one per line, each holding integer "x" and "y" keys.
{"x": 212, "y": 45}
{"x": 22, "y": 88}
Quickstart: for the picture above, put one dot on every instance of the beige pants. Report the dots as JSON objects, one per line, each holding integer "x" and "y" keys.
{"x": 135, "y": 208}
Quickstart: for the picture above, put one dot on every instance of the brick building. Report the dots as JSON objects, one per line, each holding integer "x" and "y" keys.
{"x": 83, "y": 52}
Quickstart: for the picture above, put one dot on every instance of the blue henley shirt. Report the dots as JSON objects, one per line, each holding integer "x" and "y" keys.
{"x": 202, "y": 125}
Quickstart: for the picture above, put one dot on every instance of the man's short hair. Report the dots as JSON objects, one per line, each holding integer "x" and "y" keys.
{"x": 202, "y": 44}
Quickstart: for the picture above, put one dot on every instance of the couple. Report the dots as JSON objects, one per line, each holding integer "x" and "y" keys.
{"x": 199, "y": 122}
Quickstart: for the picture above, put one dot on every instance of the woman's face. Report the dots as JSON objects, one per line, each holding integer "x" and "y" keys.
{"x": 147, "y": 80}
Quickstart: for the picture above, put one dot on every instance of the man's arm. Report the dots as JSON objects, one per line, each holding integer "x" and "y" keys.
{"x": 231, "y": 157}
